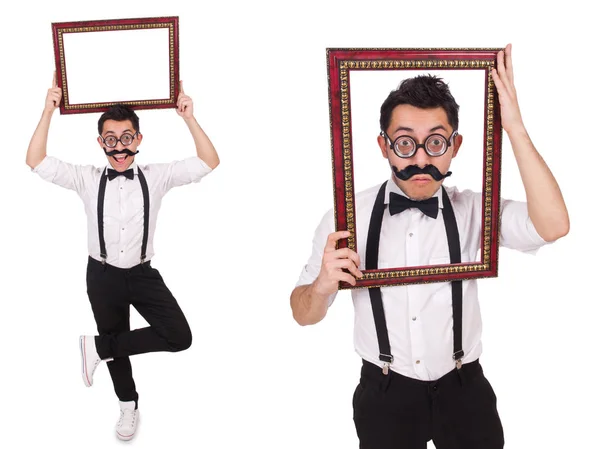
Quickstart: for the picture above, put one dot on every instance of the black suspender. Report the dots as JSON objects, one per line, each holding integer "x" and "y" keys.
{"x": 371, "y": 259}
{"x": 457, "y": 293}
{"x": 101, "y": 192}
{"x": 101, "y": 195}
{"x": 146, "y": 195}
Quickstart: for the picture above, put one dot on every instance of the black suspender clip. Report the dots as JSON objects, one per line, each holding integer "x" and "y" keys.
{"x": 458, "y": 358}
{"x": 387, "y": 361}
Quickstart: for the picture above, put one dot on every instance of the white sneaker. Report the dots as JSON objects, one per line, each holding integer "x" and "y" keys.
{"x": 89, "y": 358}
{"x": 128, "y": 421}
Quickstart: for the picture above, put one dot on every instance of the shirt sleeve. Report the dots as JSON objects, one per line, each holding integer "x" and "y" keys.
{"x": 313, "y": 267}
{"x": 63, "y": 174}
{"x": 516, "y": 228}
{"x": 179, "y": 173}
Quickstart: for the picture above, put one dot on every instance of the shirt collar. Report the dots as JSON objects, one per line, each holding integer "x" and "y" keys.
{"x": 393, "y": 187}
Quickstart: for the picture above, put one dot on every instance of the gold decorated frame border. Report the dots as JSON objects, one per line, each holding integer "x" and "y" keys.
{"x": 132, "y": 26}
{"x": 416, "y": 274}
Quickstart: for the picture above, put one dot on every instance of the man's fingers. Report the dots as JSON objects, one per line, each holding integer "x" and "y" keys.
{"x": 354, "y": 270}
{"x": 181, "y": 87}
{"x": 504, "y": 72}
{"x": 506, "y": 93}
{"x": 54, "y": 95}
{"x": 508, "y": 63}
{"x": 183, "y": 100}
{"x": 496, "y": 78}
{"x": 334, "y": 267}
{"x": 333, "y": 238}
{"x": 345, "y": 277}
{"x": 500, "y": 87}
{"x": 328, "y": 283}
{"x": 501, "y": 69}
{"x": 339, "y": 264}
{"x": 342, "y": 253}
{"x": 54, "y": 81}
{"x": 340, "y": 276}
{"x": 184, "y": 104}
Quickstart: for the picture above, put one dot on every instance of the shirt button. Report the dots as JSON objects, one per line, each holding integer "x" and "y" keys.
{"x": 122, "y": 229}
{"x": 410, "y": 235}
{"x": 414, "y": 318}
{"x": 417, "y": 362}
{"x": 121, "y": 188}
{"x": 121, "y": 250}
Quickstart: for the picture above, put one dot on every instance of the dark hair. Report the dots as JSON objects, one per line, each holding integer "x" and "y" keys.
{"x": 120, "y": 113}
{"x": 423, "y": 91}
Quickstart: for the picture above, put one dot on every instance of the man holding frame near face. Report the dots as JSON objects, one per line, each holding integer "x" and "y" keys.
{"x": 122, "y": 202}
{"x": 421, "y": 379}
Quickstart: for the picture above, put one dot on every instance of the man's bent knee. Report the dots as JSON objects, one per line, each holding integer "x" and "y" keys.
{"x": 180, "y": 340}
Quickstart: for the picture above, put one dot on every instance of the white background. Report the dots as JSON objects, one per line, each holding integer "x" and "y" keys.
{"x": 232, "y": 247}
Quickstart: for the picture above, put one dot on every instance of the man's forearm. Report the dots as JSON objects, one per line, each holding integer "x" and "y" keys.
{"x": 204, "y": 147}
{"x": 308, "y": 307}
{"x": 545, "y": 202}
{"x": 37, "y": 146}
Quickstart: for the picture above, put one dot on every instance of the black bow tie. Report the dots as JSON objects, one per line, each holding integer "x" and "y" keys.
{"x": 112, "y": 174}
{"x": 399, "y": 203}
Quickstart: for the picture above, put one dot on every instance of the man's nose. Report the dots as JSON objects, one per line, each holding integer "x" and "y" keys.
{"x": 421, "y": 158}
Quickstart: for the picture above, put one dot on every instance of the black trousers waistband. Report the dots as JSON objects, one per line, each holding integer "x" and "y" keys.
{"x": 374, "y": 373}
{"x": 96, "y": 264}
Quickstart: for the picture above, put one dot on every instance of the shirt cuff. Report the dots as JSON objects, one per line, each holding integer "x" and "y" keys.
{"x": 47, "y": 169}
{"x": 42, "y": 165}
{"x": 536, "y": 240}
{"x": 197, "y": 168}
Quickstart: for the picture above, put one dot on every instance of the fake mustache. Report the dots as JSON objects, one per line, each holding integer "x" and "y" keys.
{"x": 115, "y": 152}
{"x": 412, "y": 170}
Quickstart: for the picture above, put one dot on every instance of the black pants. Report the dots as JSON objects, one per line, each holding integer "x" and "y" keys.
{"x": 111, "y": 291}
{"x": 455, "y": 411}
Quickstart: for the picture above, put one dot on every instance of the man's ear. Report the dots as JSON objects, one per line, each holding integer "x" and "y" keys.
{"x": 139, "y": 137}
{"x": 383, "y": 145}
{"x": 456, "y": 144}
{"x": 100, "y": 142}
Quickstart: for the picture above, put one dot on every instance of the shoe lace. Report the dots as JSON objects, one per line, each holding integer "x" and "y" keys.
{"x": 127, "y": 416}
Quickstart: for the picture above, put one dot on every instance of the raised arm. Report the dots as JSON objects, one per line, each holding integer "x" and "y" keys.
{"x": 204, "y": 147}
{"x": 37, "y": 146}
{"x": 310, "y": 302}
{"x": 545, "y": 203}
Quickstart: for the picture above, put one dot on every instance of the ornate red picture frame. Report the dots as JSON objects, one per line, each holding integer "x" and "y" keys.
{"x": 346, "y": 65}
{"x": 129, "y": 61}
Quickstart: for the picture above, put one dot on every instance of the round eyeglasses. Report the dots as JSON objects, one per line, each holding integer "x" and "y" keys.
{"x": 405, "y": 146}
{"x": 126, "y": 139}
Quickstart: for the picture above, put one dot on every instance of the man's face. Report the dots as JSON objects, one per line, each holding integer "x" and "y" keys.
{"x": 419, "y": 124}
{"x": 113, "y": 128}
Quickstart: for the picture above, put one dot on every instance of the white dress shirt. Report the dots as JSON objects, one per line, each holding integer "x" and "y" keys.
{"x": 419, "y": 317}
{"x": 123, "y": 203}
